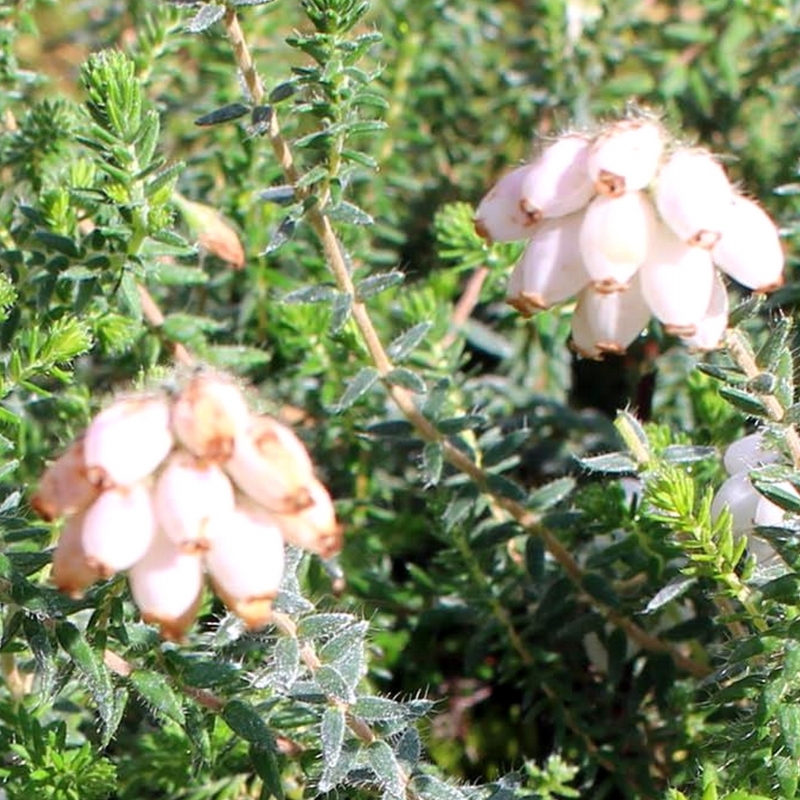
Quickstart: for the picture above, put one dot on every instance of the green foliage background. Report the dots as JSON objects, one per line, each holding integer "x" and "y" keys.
{"x": 486, "y": 668}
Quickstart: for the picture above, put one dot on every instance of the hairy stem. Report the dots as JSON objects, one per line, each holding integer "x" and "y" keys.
{"x": 402, "y": 397}
{"x": 741, "y": 354}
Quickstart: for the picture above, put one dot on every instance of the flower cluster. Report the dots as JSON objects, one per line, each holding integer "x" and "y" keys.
{"x": 747, "y": 507}
{"x": 634, "y": 228}
{"x": 171, "y": 486}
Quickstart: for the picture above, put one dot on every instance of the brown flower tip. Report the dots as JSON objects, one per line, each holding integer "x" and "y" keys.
{"x": 609, "y": 184}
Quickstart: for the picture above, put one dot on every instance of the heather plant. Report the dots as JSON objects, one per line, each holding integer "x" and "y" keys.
{"x": 293, "y": 503}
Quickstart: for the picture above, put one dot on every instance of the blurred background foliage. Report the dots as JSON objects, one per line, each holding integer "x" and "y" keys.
{"x": 526, "y": 672}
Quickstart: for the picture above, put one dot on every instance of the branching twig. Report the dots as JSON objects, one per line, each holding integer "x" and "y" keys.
{"x": 741, "y": 354}
{"x": 403, "y": 398}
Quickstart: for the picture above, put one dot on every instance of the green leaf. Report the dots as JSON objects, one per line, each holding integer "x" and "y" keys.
{"x": 348, "y": 214}
{"x": 432, "y": 462}
{"x": 779, "y": 495}
{"x": 466, "y": 422}
{"x": 95, "y": 674}
{"x": 205, "y": 18}
{"x": 379, "y": 709}
{"x": 401, "y": 347}
{"x": 59, "y": 243}
{"x": 785, "y": 589}
{"x": 341, "y": 309}
{"x": 551, "y": 493}
{"x": 311, "y": 294}
{"x": 158, "y": 694}
{"x": 285, "y": 667}
{"x": 246, "y": 722}
{"x": 375, "y": 284}
{"x": 504, "y": 487}
{"x": 789, "y": 724}
{"x": 674, "y": 589}
{"x": 400, "y": 376}
{"x": 344, "y": 642}
{"x": 283, "y": 91}
{"x": 612, "y": 463}
{"x": 333, "y": 685}
{"x": 748, "y": 403}
{"x": 387, "y": 769}
{"x": 318, "y": 626}
{"x": 409, "y": 748}
{"x": 268, "y": 768}
{"x": 331, "y": 733}
{"x": 600, "y": 589}
{"x": 357, "y": 388}
{"x": 162, "y": 178}
{"x": 224, "y": 114}
{"x": 129, "y": 297}
{"x": 687, "y": 454}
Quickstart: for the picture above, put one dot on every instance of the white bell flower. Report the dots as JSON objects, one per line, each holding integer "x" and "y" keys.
{"x": 127, "y": 441}
{"x": 615, "y": 238}
{"x": 551, "y": 268}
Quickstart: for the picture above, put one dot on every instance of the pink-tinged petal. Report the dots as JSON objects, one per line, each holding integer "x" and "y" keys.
{"x": 625, "y": 156}
{"x": 608, "y": 323}
{"x": 127, "y": 441}
{"x": 167, "y": 585}
{"x": 677, "y": 282}
{"x": 694, "y": 196}
{"x": 551, "y": 268}
{"x": 187, "y": 495}
{"x": 118, "y": 528}
{"x": 208, "y": 415}
{"x": 739, "y": 496}
{"x": 272, "y": 466}
{"x": 313, "y": 528}
{"x": 65, "y": 487}
{"x": 749, "y": 249}
{"x": 748, "y": 453}
{"x": 499, "y": 216}
{"x": 71, "y": 571}
{"x": 245, "y": 562}
{"x": 710, "y": 330}
{"x": 558, "y": 181}
{"x": 615, "y": 238}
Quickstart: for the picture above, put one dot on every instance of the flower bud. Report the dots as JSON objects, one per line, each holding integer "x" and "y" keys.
{"x": 208, "y": 415}
{"x": 750, "y": 248}
{"x": 710, "y": 330}
{"x": 615, "y": 238}
{"x": 65, "y": 487}
{"x": 557, "y": 182}
{"x": 127, "y": 441}
{"x": 118, "y": 528}
{"x": 245, "y": 562}
{"x": 694, "y": 196}
{"x": 271, "y": 465}
{"x": 313, "y": 528}
{"x": 213, "y": 233}
{"x": 608, "y": 323}
{"x": 748, "y": 453}
{"x": 739, "y": 496}
{"x": 71, "y": 571}
{"x": 187, "y": 495}
{"x": 499, "y": 216}
{"x": 769, "y": 515}
{"x": 167, "y": 585}
{"x": 551, "y": 268}
{"x": 625, "y": 157}
{"x": 677, "y": 282}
